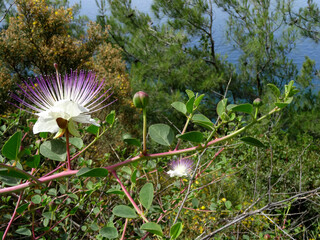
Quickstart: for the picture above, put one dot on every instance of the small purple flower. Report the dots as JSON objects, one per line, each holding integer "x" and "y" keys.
{"x": 56, "y": 100}
{"x": 181, "y": 167}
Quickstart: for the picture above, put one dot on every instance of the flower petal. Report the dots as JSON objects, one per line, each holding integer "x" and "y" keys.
{"x": 45, "y": 125}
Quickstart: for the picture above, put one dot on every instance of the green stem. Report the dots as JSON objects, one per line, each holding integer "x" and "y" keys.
{"x": 144, "y": 151}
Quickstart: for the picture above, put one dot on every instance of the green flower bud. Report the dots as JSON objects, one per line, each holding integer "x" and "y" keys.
{"x": 141, "y": 99}
{"x": 257, "y": 102}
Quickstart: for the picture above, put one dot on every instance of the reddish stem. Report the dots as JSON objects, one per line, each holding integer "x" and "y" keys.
{"x": 52, "y": 227}
{"x": 129, "y": 197}
{"x": 124, "y": 229}
{"x": 68, "y": 149}
{"x": 12, "y": 217}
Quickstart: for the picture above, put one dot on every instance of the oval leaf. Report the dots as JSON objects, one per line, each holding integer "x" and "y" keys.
{"x": 33, "y": 161}
{"x": 130, "y": 140}
{"x": 11, "y": 148}
{"x": 281, "y": 104}
{"x": 189, "y": 104}
{"x": 245, "y": 108}
{"x": 189, "y": 93}
{"x": 95, "y": 172}
{"x": 36, "y": 199}
{"x": 77, "y": 142}
{"x": 152, "y": 227}
{"x": 124, "y": 211}
{"x": 115, "y": 191}
{"x": 275, "y": 90}
{"x": 146, "y": 195}
{"x": 24, "y": 232}
{"x": 181, "y": 107}
{"x": 109, "y": 232}
{"x": 54, "y": 150}
{"x": 198, "y": 100}
{"x": 93, "y": 129}
{"x": 221, "y": 107}
{"x": 176, "y": 230}
{"x": 111, "y": 117}
{"x": 196, "y": 137}
{"x": 228, "y": 204}
{"x": 162, "y": 134}
{"x": 252, "y": 141}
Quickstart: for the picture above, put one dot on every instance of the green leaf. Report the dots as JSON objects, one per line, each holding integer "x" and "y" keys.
{"x": 152, "y": 227}
{"x": 146, "y": 195}
{"x": 33, "y": 161}
{"x": 194, "y": 136}
{"x": 54, "y": 150}
{"x": 221, "y": 107}
{"x": 245, "y": 108}
{"x": 190, "y": 93}
{"x": 109, "y": 232}
{"x": 284, "y": 104}
{"x": 49, "y": 215}
{"x": 202, "y": 120}
{"x": 281, "y": 104}
{"x": 36, "y": 199}
{"x": 115, "y": 191}
{"x": 198, "y": 100}
{"x": 24, "y": 232}
{"x": 11, "y": 147}
{"x": 225, "y": 117}
{"x": 288, "y": 88}
{"x": 94, "y": 227}
{"x": 111, "y": 117}
{"x": 93, "y": 129}
{"x": 43, "y": 135}
{"x": 176, "y": 230}
{"x": 130, "y": 140}
{"x": 230, "y": 106}
{"x": 21, "y": 208}
{"x": 228, "y": 204}
{"x": 195, "y": 202}
{"x": 189, "y": 104}
{"x": 124, "y": 211}
{"x": 161, "y": 133}
{"x": 252, "y": 141}
{"x": 275, "y": 90}
{"x": 77, "y": 142}
{"x": 13, "y": 173}
{"x": 134, "y": 176}
{"x": 95, "y": 172}
{"x": 73, "y": 128}
{"x": 181, "y": 107}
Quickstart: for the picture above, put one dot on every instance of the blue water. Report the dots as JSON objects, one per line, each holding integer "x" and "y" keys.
{"x": 304, "y": 47}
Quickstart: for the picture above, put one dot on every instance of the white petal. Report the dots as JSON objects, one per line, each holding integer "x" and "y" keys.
{"x": 45, "y": 125}
{"x": 171, "y": 173}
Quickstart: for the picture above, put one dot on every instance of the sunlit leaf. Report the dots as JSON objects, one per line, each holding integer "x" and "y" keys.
{"x": 54, "y": 150}
{"x": 162, "y": 134}
{"x": 124, "y": 211}
{"x": 11, "y": 147}
{"x": 146, "y": 195}
{"x": 194, "y": 136}
{"x": 181, "y": 107}
{"x": 152, "y": 227}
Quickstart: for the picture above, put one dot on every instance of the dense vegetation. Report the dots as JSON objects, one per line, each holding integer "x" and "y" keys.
{"x": 251, "y": 132}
